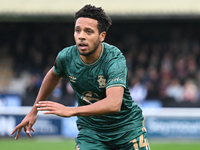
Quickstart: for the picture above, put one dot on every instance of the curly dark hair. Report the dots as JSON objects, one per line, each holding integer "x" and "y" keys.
{"x": 97, "y": 13}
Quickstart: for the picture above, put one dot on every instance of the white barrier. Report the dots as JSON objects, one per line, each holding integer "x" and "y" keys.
{"x": 171, "y": 112}
{"x": 24, "y": 110}
{"x": 148, "y": 112}
{"x": 160, "y": 122}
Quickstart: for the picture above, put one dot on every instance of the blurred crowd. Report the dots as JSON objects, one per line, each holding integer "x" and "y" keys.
{"x": 162, "y": 58}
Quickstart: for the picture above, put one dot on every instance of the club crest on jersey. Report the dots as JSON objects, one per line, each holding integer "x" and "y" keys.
{"x": 102, "y": 81}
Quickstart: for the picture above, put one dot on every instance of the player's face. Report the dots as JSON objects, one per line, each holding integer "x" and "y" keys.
{"x": 87, "y": 37}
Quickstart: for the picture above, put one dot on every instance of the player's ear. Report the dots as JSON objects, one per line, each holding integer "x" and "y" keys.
{"x": 102, "y": 36}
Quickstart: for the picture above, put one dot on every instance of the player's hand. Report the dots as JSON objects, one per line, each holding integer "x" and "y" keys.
{"x": 26, "y": 124}
{"x": 53, "y": 108}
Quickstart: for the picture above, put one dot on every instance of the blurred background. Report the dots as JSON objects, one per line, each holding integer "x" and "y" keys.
{"x": 160, "y": 40}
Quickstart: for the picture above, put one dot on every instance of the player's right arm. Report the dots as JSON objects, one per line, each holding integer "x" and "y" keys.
{"x": 49, "y": 83}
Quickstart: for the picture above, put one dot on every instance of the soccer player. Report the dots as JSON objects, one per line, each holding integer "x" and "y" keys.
{"x": 108, "y": 118}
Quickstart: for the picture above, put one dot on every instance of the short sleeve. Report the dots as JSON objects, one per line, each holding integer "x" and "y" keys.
{"x": 59, "y": 65}
{"x": 117, "y": 73}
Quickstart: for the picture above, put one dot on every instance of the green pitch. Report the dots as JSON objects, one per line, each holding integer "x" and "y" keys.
{"x": 68, "y": 144}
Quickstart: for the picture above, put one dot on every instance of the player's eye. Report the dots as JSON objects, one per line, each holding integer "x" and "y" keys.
{"x": 77, "y": 30}
{"x": 89, "y": 31}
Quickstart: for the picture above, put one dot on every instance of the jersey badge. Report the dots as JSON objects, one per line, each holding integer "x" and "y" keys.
{"x": 102, "y": 81}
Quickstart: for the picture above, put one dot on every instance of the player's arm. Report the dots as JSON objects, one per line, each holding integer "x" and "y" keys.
{"x": 49, "y": 83}
{"x": 111, "y": 104}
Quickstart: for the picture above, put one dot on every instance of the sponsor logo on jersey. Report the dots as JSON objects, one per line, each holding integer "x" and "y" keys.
{"x": 102, "y": 81}
{"x": 72, "y": 79}
{"x": 90, "y": 97}
{"x": 116, "y": 79}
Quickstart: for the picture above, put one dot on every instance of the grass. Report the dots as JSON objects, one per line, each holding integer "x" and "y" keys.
{"x": 68, "y": 144}
{"x": 37, "y": 144}
{"x": 174, "y": 145}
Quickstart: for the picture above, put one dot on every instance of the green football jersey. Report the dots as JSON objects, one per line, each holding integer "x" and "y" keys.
{"x": 90, "y": 82}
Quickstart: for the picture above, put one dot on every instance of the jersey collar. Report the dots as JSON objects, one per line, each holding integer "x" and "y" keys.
{"x": 89, "y": 64}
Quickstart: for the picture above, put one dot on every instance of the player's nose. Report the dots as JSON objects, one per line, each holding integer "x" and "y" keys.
{"x": 81, "y": 35}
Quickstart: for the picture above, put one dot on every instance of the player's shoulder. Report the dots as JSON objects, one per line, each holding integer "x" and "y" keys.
{"x": 111, "y": 48}
{"x": 112, "y": 51}
{"x": 68, "y": 52}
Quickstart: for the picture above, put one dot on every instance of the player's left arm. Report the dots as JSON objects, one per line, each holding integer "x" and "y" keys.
{"x": 111, "y": 104}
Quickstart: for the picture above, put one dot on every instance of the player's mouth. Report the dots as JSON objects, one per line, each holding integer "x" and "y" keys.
{"x": 82, "y": 46}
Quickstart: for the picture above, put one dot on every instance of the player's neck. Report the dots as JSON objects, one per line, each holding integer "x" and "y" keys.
{"x": 93, "y": 57}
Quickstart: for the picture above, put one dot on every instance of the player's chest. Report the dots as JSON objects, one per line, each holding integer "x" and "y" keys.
{"x": 88, "y": 78}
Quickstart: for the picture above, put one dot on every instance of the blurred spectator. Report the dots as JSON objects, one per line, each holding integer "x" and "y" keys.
{"x": 167, "y": 64}
{"x": 165, "y": 75}
{"x": 190, "y": 91}
{"x": 138, "y": 90}
{"x": 142, "y": 59}
{"x": 152, "y": 84}
{"x": 155, "y": 58}
{"x": 141, "y": 74}
{"x": 32, "y": 89}
{"x": 180, "y": 68}
{"x": 197, "y": 79}
{"x": 57, "y": 93}
{"x": 69, "y": 98}
{"x": 163, "y": 84}
{"x": 191, "y": 67}
{"x": 175, "y": 90}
